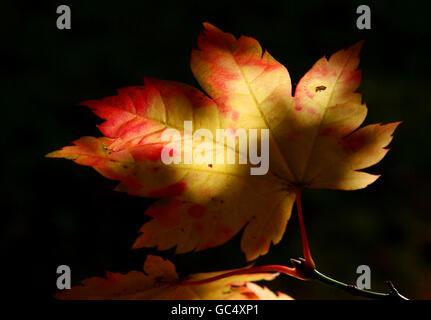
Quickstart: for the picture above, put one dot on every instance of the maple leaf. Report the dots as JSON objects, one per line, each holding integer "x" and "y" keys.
{"x": 313, "y": 143}
{"x": 160, "y": 281}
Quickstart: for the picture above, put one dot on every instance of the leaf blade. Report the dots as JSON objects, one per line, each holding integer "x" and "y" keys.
{"x": 160, "y": 281}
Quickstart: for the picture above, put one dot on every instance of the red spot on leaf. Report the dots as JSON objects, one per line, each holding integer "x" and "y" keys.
{"x": 322, "y": 70}
{"x": 235, "y": 115}
{"x": 250, "y": 295}
{"x": 327, "y": 131}
{"x": 172, "y": 89}
{"x": 310, "y": 93}
{"x": 166, "y": 213}
{"x": 353, "y": 77}
{"x": 148, "y": 152}
{"x": 197, "y": 211}
{"x": 220, "y": 236}
{"x": 231, "y": 131}
{"x": 261, "y": 245}
{"x": 354, "y": 143}
{"x": 199, "y": 227}
{"x": 247, "y": 60}
{"x": 172, "y": 190}
{"x": 298, "y": 108}
{"x": 223, "y": 232}
{"x": 222, "y": 106}
{"x": 311, "y": 111}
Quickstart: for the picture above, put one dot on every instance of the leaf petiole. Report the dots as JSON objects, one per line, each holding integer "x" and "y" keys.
{"x": 298, "y": 272}
{"x": 309, "y": 264}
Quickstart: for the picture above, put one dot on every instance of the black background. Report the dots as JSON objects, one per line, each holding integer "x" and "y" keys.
{"x": 56, "y": 212}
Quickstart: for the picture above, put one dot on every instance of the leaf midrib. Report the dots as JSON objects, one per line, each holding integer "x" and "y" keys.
{"x": 258, "y": 107}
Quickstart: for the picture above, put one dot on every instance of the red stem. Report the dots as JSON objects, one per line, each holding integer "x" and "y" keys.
{"x": 309, "y": 263}
{"x": 270, "y": 268}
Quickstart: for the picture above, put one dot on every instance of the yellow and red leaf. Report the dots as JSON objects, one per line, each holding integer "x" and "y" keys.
{"x": 314, "y": 142}
{"x": 160, "y": 281}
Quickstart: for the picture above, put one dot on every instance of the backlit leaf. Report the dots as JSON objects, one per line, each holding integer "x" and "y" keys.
{"x": 159, "y": 281}
{"x": 314, "y": 142}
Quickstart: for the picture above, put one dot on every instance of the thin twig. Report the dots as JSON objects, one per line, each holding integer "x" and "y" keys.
{"x": 308, "y": 263}
{"x": 305, "y": 269}
{"x": 354, "y": 290}
{"x": 299, "y": 271}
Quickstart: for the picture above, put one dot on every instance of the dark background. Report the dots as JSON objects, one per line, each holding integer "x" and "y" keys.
{"x": 56, "y": 212}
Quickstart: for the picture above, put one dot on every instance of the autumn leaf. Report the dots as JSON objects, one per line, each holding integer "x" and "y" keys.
{"x": 160, "y": 281}
{"x": 314, "y": 142}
